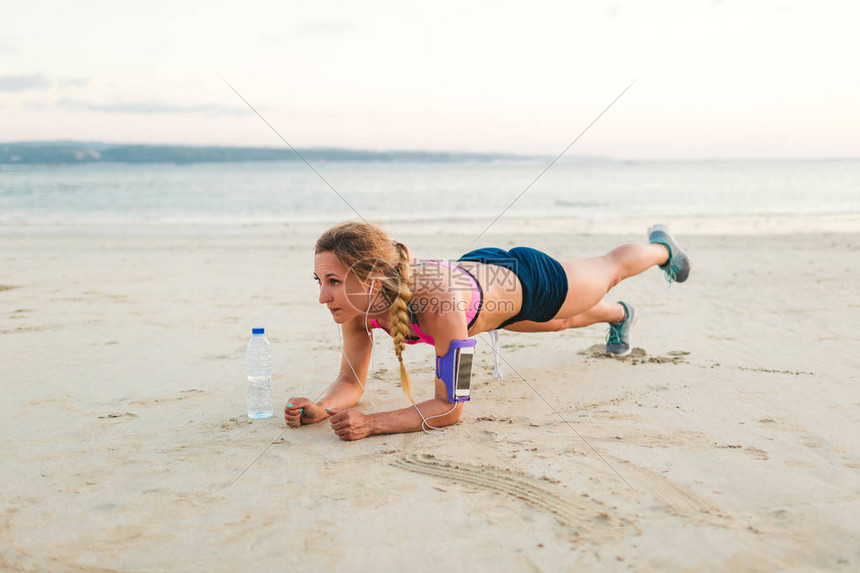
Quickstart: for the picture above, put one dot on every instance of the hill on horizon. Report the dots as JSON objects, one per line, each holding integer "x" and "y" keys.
{"x": 76, "y": 152}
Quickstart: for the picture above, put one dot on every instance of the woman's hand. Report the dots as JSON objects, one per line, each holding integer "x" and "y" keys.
{"x": 350, "y": 424}
{"x": 300, "y": 411}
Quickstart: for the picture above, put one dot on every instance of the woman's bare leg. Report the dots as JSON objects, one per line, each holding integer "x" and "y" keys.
{"x": 589, "y": 280}
{"x": 601, "y": 312}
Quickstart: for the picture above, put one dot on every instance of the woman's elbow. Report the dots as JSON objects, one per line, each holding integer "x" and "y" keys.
{"x": 455, "y": 414}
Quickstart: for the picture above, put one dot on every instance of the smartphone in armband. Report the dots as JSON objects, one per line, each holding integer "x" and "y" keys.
{"x": 463, "y": 381}
{"x": 455, "y": 369}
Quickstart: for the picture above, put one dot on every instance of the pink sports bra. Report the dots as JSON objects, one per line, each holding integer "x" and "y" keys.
{"x": 471, "y": 313}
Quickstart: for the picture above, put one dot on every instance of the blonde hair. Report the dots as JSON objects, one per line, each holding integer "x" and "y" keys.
{"x": 367, "y": 251}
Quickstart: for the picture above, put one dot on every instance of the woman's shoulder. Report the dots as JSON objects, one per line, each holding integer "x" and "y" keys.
{"x": 437, "y": 292}
{"x": 431, "y": 277}
{"x": 440, "y": 283}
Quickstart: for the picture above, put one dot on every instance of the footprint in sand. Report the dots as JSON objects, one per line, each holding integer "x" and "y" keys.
{"x": 117, "y": 415}
{"x": 234, "y": 423}
{"x": 184, "y": 395}
{"x": 756, "y": 453}
{"x": 636, "y": 356}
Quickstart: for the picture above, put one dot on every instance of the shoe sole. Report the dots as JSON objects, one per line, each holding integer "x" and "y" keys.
{"x": 616, "y": 355}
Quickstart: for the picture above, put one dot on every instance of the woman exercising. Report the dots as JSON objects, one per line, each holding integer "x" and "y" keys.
{"x": 368, "y": 281}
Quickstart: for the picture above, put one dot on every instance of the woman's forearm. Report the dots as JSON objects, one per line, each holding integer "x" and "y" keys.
{"x": 409, "y": 420}
{"x": 342, "y": 394}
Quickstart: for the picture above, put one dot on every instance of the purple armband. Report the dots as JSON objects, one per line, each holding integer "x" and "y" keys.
{"x": 455, "y": 369}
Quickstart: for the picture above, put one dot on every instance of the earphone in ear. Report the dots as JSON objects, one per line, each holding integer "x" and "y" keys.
{"x": 369, "y": 300}
{"x": 367, "y": 329}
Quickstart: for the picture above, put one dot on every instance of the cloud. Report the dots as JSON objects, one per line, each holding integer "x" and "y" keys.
{"x": 73, "y": 82}
{"x": 149, "y": 108}
{"x": 6, "y": 46}
{"x": 333, "y": 27}
{"x": 38, "y": 81}
{"x": 24, "y": 82}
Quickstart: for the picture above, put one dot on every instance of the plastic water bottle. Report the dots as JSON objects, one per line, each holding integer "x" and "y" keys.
{"x": 259, "y": 375}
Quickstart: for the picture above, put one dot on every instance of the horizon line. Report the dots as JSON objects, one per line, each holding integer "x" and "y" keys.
{"x": 488, "y": 154}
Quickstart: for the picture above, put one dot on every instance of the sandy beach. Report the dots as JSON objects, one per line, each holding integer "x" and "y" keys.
{"x": 728, "y": 441}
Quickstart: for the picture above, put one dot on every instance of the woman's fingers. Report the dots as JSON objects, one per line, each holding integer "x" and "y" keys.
{"x": 293, "y": 411}
{"x": 349, "y": 424}
{"x": 338, "y": 418}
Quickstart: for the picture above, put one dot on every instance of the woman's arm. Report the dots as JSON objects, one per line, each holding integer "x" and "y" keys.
{"x": 408, "y": 419}
{"x": 350, "y": 424}
{"x": 444, "y": 323}
{"x": 354, "y": 364}
{"x": 348, "y": 387}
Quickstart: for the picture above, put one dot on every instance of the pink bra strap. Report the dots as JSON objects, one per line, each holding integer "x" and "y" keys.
{"x": 426, "y": 338}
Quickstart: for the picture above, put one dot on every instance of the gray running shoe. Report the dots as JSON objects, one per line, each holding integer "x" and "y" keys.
{"x": 618, "y": 337}
{"x": 677, "y": 268}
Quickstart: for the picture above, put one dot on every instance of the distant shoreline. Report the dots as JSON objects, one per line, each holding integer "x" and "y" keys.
{"x": 703, "y": 225}
{"x": 89, "y": 153}
{"x": 74, "y": 153}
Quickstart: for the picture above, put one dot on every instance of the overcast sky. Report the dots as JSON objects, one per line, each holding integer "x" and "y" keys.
{"x": 716, "y": 79}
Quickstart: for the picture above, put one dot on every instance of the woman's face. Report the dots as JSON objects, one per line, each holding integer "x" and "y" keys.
{"x": 341, "y": 291}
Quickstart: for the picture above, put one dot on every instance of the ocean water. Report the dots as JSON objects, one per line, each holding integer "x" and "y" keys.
{"x": 403, "y": 191}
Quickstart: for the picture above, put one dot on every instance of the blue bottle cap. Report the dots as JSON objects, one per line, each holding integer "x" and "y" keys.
{"x": 258, "y": 331}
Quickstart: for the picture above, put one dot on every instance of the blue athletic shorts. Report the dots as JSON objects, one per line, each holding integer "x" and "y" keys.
{"x": 543, "y": 279}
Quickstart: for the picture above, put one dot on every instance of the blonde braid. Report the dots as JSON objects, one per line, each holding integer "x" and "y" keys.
{"x": 398, "y": 313}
